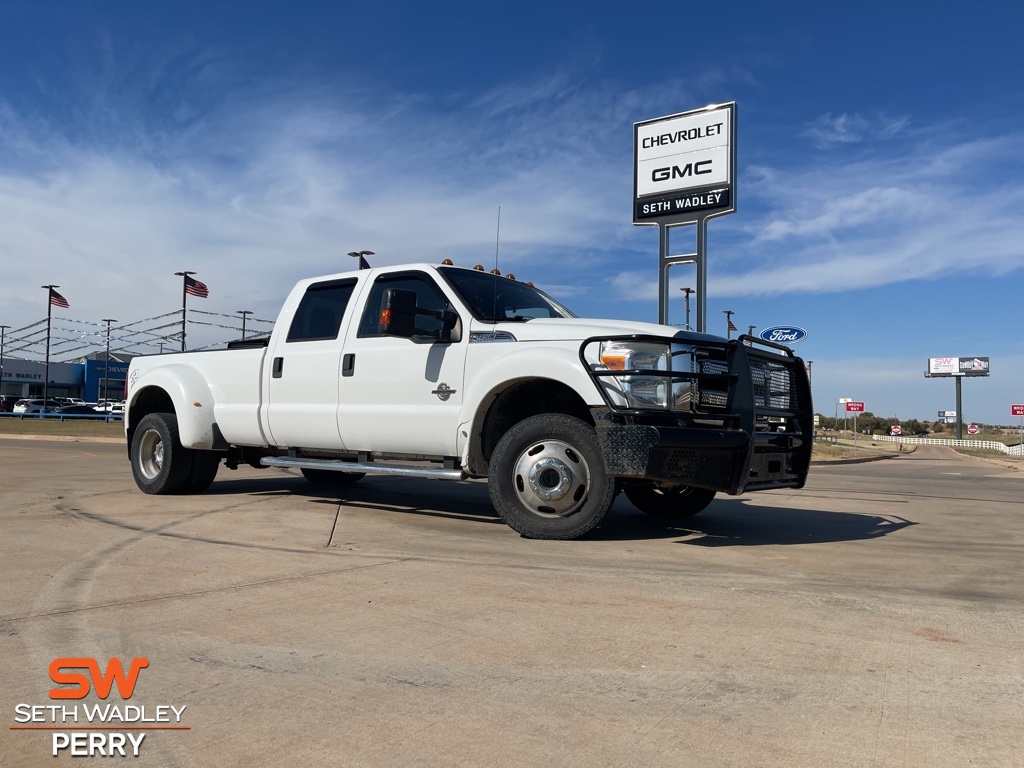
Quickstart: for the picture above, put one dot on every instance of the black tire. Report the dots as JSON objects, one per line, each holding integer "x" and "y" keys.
{"x": 547, "y": 480}
{"x": 676, "y": 502}
{"x": 329, "y": 477}
{"x": 204, "y": 469}
{"x": 160, "y": 463}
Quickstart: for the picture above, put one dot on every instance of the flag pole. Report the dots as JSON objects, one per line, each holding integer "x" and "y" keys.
{"x": 184, "y": 294}
{"x": 46, "y": 368}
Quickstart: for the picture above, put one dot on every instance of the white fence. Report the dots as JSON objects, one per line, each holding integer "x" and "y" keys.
{"x": 1011, "y": 450}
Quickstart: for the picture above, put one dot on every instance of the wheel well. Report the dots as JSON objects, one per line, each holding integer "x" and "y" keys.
{"x": 150, "y": 400}
{"x": 518, "y": 401}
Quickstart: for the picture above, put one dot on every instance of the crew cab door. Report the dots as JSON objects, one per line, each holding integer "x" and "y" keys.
{"x": 403, "y": 395}
{"x": 305, "y": 366}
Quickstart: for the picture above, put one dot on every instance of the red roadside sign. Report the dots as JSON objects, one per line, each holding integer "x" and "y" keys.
{"x": 897, "y": 429}
{"x": 1017, "y": 410}
{"x": 972, "y": 429}
{"x": 855, "y": 406}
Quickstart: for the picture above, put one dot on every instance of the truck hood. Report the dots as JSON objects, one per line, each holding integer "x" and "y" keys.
{"x": 568, "y": 329}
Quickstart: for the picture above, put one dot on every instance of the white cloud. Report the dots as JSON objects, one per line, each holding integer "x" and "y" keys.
{"x": 262, "y": 188}
{"x": 828, "y": 130}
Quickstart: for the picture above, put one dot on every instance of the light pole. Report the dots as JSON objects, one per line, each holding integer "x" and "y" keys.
{"x": 728, "y": 322}
{"x": 184, "y": 292}
{"x": 361, "y": 255}
{"x": 809, "y": 379}
{"x": 750, "y": 330}
{"x": 3, "y": 331}
{"x": 244, "y": 313}
{"x": 106, "y": 363}
{"x": 686, "y": 304}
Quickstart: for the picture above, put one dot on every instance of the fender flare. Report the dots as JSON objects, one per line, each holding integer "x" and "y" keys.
{"x": 192, "y": 399}
{"x": 531, "y": 362}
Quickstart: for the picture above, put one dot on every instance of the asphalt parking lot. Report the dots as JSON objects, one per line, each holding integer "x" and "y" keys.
{"x": 874, "y": 618}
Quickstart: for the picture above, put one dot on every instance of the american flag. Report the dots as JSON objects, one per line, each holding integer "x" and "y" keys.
{"x": 195, "y": 288}
{"x": 732, "y": 326}
{"x": 57, "y": 300}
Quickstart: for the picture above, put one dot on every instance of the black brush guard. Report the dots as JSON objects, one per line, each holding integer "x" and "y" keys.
{"x": 746, "y": 423}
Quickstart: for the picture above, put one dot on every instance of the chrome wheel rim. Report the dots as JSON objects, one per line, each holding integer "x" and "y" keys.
{"x": 151, "y": 454}
{"x": 551, "y": 478}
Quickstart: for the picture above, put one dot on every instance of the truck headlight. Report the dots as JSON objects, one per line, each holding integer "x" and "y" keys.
{"x": 639, "y": 391}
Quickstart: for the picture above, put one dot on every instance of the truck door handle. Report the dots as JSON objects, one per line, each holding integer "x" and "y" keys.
{"x": 348, "y": 365}
{"x": 278, "y": 368}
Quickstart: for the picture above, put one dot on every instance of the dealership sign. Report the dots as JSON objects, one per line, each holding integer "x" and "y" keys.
{"x": 957, "y": 366}
{"x": 685, "y": 165}
{"x": 783, "y": 334}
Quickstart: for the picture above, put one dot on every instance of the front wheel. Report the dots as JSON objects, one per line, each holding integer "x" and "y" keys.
{"x": 547, "y": 480}
{"x": 669, "y": 503}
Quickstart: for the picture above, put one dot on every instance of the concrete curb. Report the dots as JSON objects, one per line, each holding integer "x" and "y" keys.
{"x": 65, "y": 438}
{"x": 865, "y": 460}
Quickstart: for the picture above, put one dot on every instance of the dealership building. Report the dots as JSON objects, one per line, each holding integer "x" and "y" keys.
{"x": 90, "y": 378}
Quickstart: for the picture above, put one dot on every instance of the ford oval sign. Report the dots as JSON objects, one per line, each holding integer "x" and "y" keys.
{"x": 783, "y": 334}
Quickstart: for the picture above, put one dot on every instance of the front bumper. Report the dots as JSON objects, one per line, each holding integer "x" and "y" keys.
{"x": 746, "y": 424}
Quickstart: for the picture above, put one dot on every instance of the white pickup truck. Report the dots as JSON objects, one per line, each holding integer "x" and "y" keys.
{"x": 452, "y": 373}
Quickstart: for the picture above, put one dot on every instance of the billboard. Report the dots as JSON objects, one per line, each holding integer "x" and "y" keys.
{"x": 685, "y": 165}
{"x": 957, "y": 366}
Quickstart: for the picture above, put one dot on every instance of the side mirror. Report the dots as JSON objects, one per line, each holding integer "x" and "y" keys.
{"x": 398, "y": 315}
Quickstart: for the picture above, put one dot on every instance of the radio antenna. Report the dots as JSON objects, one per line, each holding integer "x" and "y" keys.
{"x": 497, "y": 238}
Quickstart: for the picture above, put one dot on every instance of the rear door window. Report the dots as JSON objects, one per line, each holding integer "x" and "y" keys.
{"x": 321, "y": 310}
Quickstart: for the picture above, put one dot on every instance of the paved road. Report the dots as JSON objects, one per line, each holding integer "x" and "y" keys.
{"x": 875, "y": 618}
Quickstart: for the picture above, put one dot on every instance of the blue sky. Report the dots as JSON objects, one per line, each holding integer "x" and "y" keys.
{"x": 880, "y": 184}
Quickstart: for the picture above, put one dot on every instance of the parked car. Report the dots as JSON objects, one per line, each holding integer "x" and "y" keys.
{"x": 35, "y": 406}
{"x": 109, "y": 407}
{"x": 7, "y": 403}
{"x": 70, "y": 400}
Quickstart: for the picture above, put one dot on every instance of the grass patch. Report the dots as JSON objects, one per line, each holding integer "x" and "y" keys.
{"x": 988, "y": 453}
{"x": 56, "y": 428}
{"x": 844, "y": 449}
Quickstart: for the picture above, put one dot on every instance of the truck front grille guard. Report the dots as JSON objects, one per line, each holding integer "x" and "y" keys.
{"x": 762, "y": 390}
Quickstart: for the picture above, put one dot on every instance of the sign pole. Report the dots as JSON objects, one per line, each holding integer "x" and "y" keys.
{"x": 959, "y": 410}
{"x": 667, "y": 261}
{"x": 663, "y": 265}
{"x": 702, "y": 275}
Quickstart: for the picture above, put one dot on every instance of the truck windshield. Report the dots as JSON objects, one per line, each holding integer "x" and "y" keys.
{"x": 494, "y": 299}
